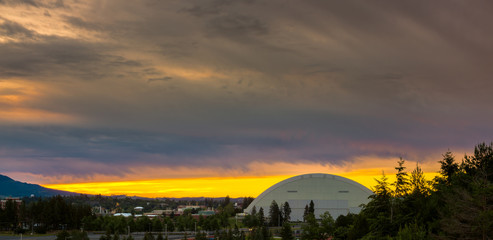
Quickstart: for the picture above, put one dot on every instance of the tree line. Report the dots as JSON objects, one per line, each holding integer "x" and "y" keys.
{"x": 457, "y": 204}
{"x": 42, "y": 215}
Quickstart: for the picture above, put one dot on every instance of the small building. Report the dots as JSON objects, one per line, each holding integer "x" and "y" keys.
{"x": 99, "y": 210}
{"x": 204, "y": 214}
{"x": 122, "y": 214}
{"x": 17, "y": 201}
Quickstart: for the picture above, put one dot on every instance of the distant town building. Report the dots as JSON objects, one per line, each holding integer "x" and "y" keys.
{"x": 17, "y": 201}
{"x": 122, "y": 214}
{"x": 99, "y": 210}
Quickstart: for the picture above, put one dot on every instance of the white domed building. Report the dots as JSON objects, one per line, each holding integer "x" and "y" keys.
{"x": 335, "y": 194}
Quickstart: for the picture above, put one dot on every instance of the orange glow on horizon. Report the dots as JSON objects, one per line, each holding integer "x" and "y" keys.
{"x": 187, "y": 187}
{"x": 201, "y": 187}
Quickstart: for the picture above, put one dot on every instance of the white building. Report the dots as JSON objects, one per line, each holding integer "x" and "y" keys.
{"x": 332, "y": 193}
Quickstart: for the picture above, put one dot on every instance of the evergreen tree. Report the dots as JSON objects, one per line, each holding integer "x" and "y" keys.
{"x": 157, "y": 225}
{"x": 261, "y": 218}
{"x": 481, "y": 161}
{"x": 378, "y": 211}
{"x": 327, "y": 225}
{"x": 227, "y": 200}
{"x": 236, "y": 233}
{"x": 305, "y": 213}
{"x": 148, "y": 236}
{"x": 311, "y": 208}
{"x": 286, "y": 212}
{"x": 254, "y": 210}
{"x": 343, "y": 225}
{"x": 286, "y": 232}
{"x": 448, "y": 166}
{"x": 200, "y": 236}
{"x": 401, "y": 183}
{"x": 470, "y": 213}
{"x": 411, "y": 232}
{"x": 419, "y": 185}
{"x": 63, "y": 235}
{"x": 310, "y": 230}
{"x": 274, "y": 214}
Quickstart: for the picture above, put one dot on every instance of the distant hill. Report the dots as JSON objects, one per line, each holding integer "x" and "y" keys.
{"x": 12, "y": 188}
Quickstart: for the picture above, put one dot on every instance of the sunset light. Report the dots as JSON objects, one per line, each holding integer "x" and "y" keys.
{"x": 198, "y": 187}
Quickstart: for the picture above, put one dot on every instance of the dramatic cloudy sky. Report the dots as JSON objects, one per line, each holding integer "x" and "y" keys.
{"x": 124, "y": 90}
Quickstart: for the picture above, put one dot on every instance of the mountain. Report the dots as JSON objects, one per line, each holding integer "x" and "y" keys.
{"x": 12, "y": 188}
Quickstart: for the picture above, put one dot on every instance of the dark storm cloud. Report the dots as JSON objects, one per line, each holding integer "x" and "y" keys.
{"x": 80, "y": 23}
{"x": 33, "y": 3}
{"x": 216, "y": 83}
{"x": 214, "y": 7}
{"x": 15, "y": 30}
{"x": 38, "y": 59}
{"x": 159, "y": 79}
{"x": 54, "y": 56}
{"x": 114, "y": 146}
{"x": 238, "y": 26}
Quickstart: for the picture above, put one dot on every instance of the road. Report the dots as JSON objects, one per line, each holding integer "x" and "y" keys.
{"x": 136, "y": 236}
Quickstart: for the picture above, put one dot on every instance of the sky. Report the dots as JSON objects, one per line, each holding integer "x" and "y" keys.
{"x": 223, "y": 94}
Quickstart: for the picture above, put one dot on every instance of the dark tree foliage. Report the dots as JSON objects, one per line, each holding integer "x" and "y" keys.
{"x": 448, "y": 166}
{"x": 246, "y": 202}
{"x": 62, "y": 235}
{"x": 41, "y": 215}
{"x": 458, "y": 204}
{"x": 274, "y": 214}
{"x": 401, "y": 183}
{"x": 305, "y": 213}
{"x": 200, "y": 236}
{"x": 148, "y": 236}
{"x": 481, "y": 163}
{"x": 468, "y": 198}
{"x": 260, "y": 217}
{"x": 314, "y": 230}
{"x": 378, "y": 210}
{"x": 311, "y": 207}
{"x": 343, "y": 225}
{"x": 78, "y": 235}
{"x": 286, "y": 212}
{"x": 287, "y": 232}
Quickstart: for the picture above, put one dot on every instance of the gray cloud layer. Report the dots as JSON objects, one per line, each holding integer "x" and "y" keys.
{"x": 223, "y": 83}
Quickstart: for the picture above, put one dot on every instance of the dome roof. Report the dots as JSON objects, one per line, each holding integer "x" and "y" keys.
{"x": 332, "y": 193}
